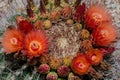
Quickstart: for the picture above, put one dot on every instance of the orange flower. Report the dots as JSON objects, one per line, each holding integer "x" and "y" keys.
{"x": 80, "y": 64}
{"x": 104, "y": 35}
{"x": 36, "y": 43}
{"x": 12, "y": 40}
{"x": 95, "y": 15}
{"x": 95, "y": 56}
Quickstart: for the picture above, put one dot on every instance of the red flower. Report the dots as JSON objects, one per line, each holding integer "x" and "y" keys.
{"x": 104, "y": 35}
{"x": 95, "y": 56}
{"x": 80, "y": 64}
{"x": 79, "y": 13}
{"x": 24, "y": 25}
{"x": 12, "y": 40}
{"x": 95, "y": 15}
{"x": 36, "y": 43}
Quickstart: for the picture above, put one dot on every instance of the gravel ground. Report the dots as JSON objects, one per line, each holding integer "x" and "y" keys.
{"x": 9, "y": 8}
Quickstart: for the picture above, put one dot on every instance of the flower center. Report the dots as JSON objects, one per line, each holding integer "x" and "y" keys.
{"x": 94, "y": 58}
{"x": 104, "y": 33}
{"x": 64, "y": 40}
{"x": 35, "y": 46}
{"x": 13, "y": 41}
{"x": 81, "y": 65}
{"x": 97, "y": 17}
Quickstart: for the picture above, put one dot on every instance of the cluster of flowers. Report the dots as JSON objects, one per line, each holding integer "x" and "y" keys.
{"x": 29, "y": 41}
{"x": 99, "y": 22}
{"x": 32, "y": 41}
